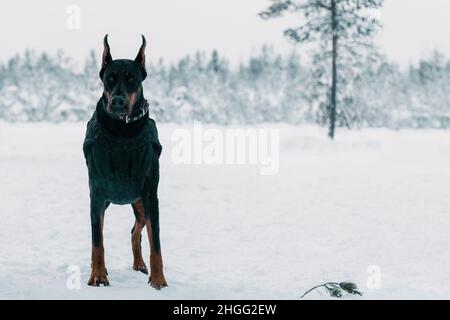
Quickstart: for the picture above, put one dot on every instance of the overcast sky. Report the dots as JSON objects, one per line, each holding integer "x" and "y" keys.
{"x": 412, "y": 28}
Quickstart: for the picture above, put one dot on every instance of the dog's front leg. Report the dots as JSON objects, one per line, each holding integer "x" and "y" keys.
{"x": 151, "y": 207}
{"x": 98, "y": 269}
{"x": 157, "y": 279}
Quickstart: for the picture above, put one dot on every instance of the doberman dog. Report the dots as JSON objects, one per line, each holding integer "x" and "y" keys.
{"x": 122, "y": 152}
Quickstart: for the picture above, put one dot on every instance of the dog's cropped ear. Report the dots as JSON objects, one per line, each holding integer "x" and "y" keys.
{"x": 106, "y": 56}
{"x": 140, "y": 58}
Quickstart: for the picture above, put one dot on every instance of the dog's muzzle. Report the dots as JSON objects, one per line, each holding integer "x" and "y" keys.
{"x": 119, "y": 111}
{"x": 118, "y": 104}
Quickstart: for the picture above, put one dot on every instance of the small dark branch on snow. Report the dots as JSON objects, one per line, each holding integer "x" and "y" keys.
{"x": 336, "y": 290}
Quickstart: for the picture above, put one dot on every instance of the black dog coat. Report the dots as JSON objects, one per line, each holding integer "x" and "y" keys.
{"x": 118, "y": 166}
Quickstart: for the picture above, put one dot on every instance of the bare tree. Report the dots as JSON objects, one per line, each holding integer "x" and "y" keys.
{"x": 342, "y": 30}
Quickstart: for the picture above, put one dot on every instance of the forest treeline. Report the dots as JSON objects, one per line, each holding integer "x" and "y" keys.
{"x": 269, "y": 87}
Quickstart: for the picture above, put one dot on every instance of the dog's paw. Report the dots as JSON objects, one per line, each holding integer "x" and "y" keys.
{"x": 140, "y": 267}
{"x": 98, "y": 279}
{"x": 157, "y": 281}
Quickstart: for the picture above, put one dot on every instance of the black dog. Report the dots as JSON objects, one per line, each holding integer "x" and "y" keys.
{"x": 122, "y": 155}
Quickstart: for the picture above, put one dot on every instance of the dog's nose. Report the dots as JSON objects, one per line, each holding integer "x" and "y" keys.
{"x": 118, "y": 102}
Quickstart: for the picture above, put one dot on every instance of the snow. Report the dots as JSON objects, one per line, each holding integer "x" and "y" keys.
{"x": 372, "y": 198}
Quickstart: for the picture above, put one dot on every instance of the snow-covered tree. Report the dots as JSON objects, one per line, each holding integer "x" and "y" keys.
{"x": 339, "y": 29}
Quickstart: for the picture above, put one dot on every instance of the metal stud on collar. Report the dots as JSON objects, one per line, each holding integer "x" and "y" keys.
{"x": 127, "y": 118}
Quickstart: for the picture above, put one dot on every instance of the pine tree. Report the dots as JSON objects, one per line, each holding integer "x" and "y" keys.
{"x": 340, "y": 29}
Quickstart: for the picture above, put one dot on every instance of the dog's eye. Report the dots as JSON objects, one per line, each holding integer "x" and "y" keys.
{"x": 130, "y": 79}
{"x": 110, "y": 79}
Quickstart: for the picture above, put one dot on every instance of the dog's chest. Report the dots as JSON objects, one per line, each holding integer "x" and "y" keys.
{"x": 118, "y": 167}
{"x": 119, "y": 174}
{"x": 124, "y": 165}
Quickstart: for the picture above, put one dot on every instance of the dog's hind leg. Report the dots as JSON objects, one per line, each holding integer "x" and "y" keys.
{"x": 136, "y": 237}
{"x": 98, "y": 269}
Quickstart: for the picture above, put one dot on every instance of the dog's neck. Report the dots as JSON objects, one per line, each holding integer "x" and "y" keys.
{"x": 119, "y": 128}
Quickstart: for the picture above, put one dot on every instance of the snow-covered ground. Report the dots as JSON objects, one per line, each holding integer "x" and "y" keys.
{"x": 372, "y": 198}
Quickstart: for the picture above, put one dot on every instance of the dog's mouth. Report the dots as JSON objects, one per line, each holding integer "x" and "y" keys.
{"x": 119, "y": 109}
{"x": 126, "y": 109}
{"x": 119, "y": 106}
{"x": 123, "y": 115}
{"x": 119, "y": 113}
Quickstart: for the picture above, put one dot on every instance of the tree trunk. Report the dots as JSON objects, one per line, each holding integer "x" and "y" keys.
{"x": 333, "y": 101}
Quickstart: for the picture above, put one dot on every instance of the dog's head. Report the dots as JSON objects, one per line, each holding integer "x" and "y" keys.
{"x": 122, "y": 80}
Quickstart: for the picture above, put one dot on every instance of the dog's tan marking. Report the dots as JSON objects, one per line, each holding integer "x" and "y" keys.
{"x": 98, "y": 269}
{"x": 138, "y": 260}
{"x": 157, "y": 279}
